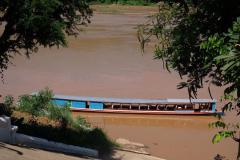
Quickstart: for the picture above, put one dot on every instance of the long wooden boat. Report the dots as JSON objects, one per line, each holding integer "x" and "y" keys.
{"x": 137, "y": 106}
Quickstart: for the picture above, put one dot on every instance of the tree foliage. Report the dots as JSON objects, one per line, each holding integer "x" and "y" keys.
{"x": 201, "y": 41}
{"x": 180, "y": 28}
{"x": 28, "y": 24}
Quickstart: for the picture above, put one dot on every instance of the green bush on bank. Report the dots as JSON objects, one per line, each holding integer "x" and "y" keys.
{"x": 60, "y": 114}
{"x": 41, "y": 104}
{"x": 66, "y": 129}
{"x": 36, "y": 105}
{"x": 81, "y": 122}
{"x": 7, "y": 107}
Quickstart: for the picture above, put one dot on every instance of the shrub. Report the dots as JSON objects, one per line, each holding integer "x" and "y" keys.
{"x": 60, "y": 114}
{"x": 40, "y": 109}
{"x": 41, "y": 104}
{"x": 8, "y": 101}
{"x": 37, "y": 104}
{"x": 7, "y": 106}
{"x": 81, "y": 122}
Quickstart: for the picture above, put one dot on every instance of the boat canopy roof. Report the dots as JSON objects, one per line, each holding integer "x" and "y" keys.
{"x": 133, "y": 100}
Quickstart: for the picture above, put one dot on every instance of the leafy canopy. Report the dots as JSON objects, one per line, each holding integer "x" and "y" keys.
{"x": 27, "y": 24}
{"x": 180, "y": 28}
{"x": 200, "y": 39}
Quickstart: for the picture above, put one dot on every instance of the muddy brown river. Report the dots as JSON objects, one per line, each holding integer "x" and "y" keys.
{"x": 105, "y": 61}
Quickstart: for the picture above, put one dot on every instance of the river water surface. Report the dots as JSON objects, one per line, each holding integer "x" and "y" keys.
{"x": 105, "y": 61}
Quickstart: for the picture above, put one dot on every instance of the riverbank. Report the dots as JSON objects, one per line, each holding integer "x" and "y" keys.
{"x": 12, "y": 152}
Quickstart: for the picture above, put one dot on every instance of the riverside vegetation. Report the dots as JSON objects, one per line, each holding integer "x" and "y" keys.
{"x": 201, "y": 41}
{"x": 36, "y": 115}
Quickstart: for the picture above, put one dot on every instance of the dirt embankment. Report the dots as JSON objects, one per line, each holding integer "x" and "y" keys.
{"x": 124, "y": 9}
{"x": 11, "y": 152}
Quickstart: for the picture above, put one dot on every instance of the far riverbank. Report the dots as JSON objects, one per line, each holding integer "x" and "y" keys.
{"x": 124, "y": 9}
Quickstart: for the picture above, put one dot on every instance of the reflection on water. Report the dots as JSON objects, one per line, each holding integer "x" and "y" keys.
{"x": 173, "y": 121}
